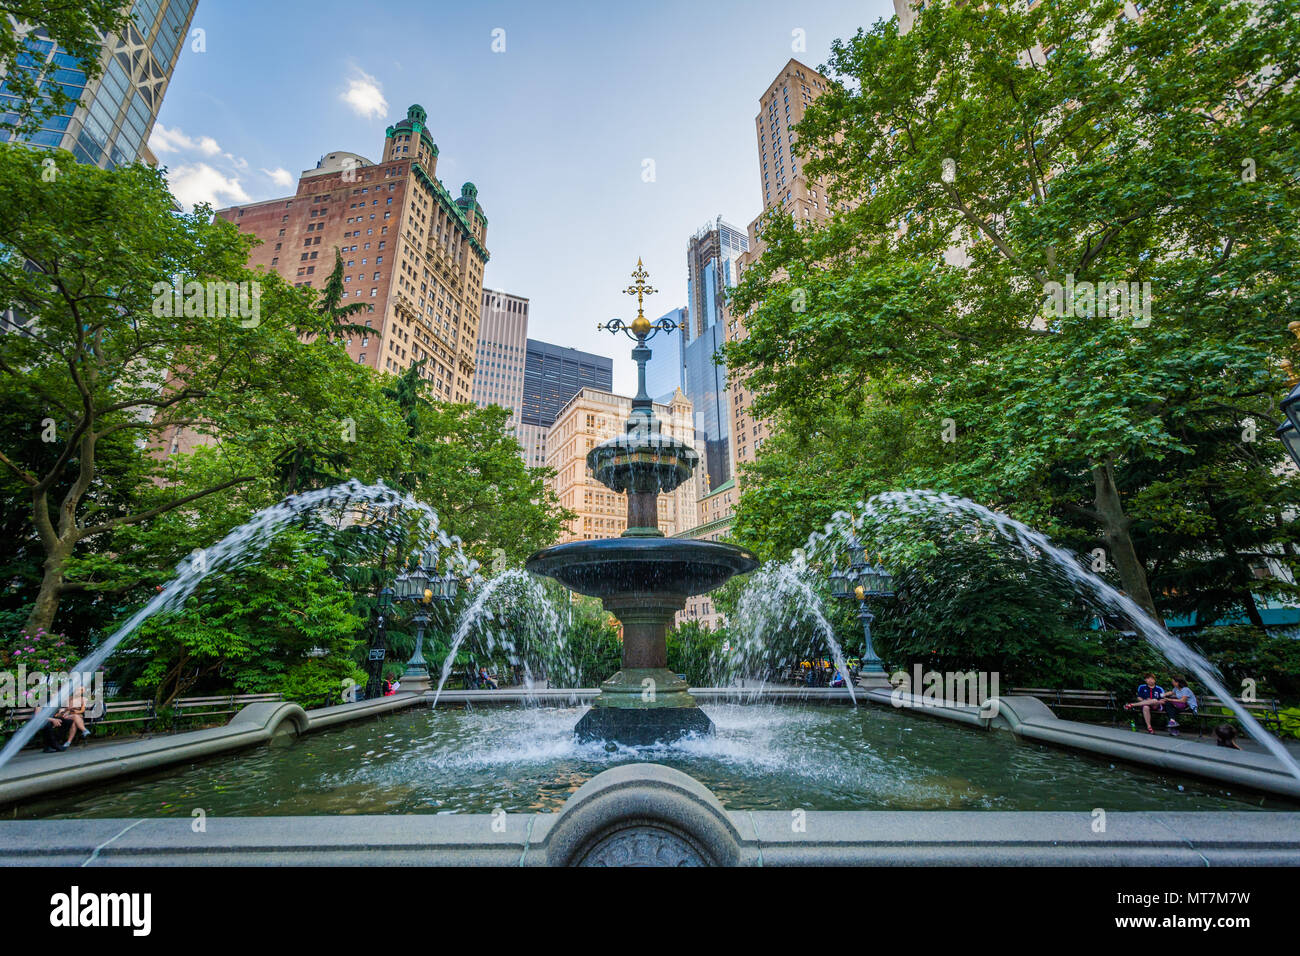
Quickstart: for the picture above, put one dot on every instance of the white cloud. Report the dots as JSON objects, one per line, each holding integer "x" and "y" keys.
{"x": 280, "y": 176}
{"x": 164, "y": 140}
{"x": 364, "y": 96}
{"x": 175, "y": 140}
{"x": 199, "y": 182}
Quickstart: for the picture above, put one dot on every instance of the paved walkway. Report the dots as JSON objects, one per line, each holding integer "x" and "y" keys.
{"x": 1248, "y": 744}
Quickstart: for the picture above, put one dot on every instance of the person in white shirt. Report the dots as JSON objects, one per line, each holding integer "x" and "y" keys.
{"x": 1180, "y": 700}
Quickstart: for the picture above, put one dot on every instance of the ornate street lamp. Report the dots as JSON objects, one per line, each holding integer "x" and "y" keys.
{"x": 1290, "y": 430}
{"x": 420, "y": 586}
{"x": 864, "y": 580}
{"x": 1290, "y": 436}
{"x": 841, "y": 586}
{"x": 379, "y": 649}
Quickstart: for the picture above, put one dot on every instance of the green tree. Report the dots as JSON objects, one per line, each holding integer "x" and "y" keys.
{"x": 109, "y": 361}
{"x": 696, "y": 651}
{"x": 593, "y": 642}
{"x": 337, "y": 314}
{"x": 1054, "y": 144}
{"x": 280, "y": 623}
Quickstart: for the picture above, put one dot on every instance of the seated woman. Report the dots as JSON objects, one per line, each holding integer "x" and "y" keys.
{"x": 1180, "y": 700}
{"x": 487, "y": 679}
{"x": 1149, "y": 694}
{"x": 74, "y": 713}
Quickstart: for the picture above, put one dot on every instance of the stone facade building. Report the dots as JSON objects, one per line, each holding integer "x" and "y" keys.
{"x": 499, "y": 355}
{"x": 785, "y": 187}
{"x": 591, "y": 417}
{"x": 410, "y": 250}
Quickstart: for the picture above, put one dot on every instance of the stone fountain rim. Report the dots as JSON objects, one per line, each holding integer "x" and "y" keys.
{"x": 648, "y": 549}
{"x": 709, "y": 559}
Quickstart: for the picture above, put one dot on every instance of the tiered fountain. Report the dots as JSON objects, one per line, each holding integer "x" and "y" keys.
{"x": 642, "y": 578}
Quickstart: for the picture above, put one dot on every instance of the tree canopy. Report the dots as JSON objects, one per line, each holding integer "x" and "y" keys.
{"x": 990, "y": 171}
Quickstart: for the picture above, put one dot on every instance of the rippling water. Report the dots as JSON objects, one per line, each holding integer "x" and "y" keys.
{"x": 764, "y": 757}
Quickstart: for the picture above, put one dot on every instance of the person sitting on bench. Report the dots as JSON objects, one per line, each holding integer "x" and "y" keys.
{"x": 1180, "y": 700}
{"x": 1150, "y": 695}
{"x": 487, "y": 680}
{"x": 74, "y": 712}
{"x": 51, "y": 733}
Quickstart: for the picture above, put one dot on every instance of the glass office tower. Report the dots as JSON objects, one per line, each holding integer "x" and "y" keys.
{"x": 711, "y": 270}
{"x": 110, "y": 124}
{"x": 665, "y": 372}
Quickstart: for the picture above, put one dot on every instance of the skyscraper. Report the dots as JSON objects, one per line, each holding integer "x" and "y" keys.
{"x": 785, "y": 187}
{"x": 499, "y": 359}
{"x": 553, "y": 374}
{"x": 665, "y": 372}
{"x": 110, "y": 124}
{"x": 711, "y": 258}
{"x": 711, "y": 267}
{"x": 410, "y": 250}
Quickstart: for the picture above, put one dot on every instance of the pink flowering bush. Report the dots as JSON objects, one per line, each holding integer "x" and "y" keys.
{"x": 39, "y": 651}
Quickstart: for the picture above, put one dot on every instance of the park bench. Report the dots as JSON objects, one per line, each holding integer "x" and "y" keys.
{"x": 1072, "y": 699}
{"x": 100, "y": 713}
{"x": 128, "y": 712}
{"x": 1264, "y": 710}
{"x": 184, "y": 708}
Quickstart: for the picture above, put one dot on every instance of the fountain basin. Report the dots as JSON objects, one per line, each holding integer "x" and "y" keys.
{"x": 642, "y": 462}
{"x": 626, "y": 567}
{"x": 817, "y": 754}
{"x": 644, "y": 582}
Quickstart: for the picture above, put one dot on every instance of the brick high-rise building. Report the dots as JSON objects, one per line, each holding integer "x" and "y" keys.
{"x": 410, "y": 249}
{"x": 502, "y": 347}
{"x": 784, "y": 187}
{"x": 590, "y": 417}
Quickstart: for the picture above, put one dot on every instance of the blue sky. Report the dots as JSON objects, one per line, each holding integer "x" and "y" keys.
{"x": 554, "y": 130}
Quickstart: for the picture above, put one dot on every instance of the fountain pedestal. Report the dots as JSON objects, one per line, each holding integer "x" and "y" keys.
{"x": 644, "y": 702}
{"x": 643, "y": 581}
{"x": 417, "y": 682}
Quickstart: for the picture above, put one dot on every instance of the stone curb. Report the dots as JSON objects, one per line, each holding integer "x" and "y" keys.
{"x": 1031, "y": 719}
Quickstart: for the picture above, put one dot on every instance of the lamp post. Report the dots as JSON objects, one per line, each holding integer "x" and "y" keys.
{"x": 379, "y": 649}
{"x": 421, "y": 586}
{"x": 1289, "y": 432}
{"x": 864, "y": 580}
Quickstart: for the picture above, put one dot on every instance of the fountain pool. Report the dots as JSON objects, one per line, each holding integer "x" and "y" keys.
{"x": 528, "y": 759}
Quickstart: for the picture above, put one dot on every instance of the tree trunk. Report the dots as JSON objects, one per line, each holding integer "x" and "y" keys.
{"x": 47, "y": 598}
{"x": 1115, "y": 526}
